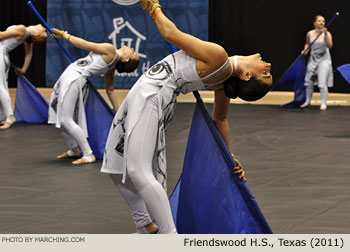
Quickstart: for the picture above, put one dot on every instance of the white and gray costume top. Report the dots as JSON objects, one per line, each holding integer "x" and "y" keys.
{"x": 319, "y": 61}
{"x": 76, "y": 73}
{"x": 6, "y": 46}
{"x": 174, "y": 74}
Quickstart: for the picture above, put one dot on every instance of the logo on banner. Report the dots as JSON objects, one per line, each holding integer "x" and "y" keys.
{"x": 125, "y": 2}
{"x": 133, "y": 41}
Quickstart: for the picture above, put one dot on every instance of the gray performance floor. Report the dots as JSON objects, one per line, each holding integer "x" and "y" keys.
{"x": 296, "y": 162}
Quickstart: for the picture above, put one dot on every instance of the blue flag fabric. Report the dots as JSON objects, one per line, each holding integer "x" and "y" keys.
{"x": 209, "y": 198}
{"x": 295, "y": 74}
{"x": 30, "y": 105}
{"x": 344, "y": 70}
{"x": 99, "y": 117}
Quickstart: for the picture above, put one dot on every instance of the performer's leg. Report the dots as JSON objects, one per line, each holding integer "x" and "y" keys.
{"x": 141, "y": 146}
{"x": 73, "y": 146}
{"x": 136, "y": 205}
{"x": 324, "y": 98}
{"x": 67, "y": 122}
{"x": 309, "y": 91}
{"x": 6, "y": 105}
{"x": 322, "y": 75}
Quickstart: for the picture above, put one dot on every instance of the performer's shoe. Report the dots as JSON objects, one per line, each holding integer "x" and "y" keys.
{"x": 85, "y": 160}
{"x": 6, "y": 124}
{"x": 323, "y": 107}
{"x": 75, "y": 152}
{"x": 151, "y": 228}
{"x": 304, "y": 105}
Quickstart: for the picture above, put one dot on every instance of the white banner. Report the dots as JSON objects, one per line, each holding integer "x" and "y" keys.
{"x": 168, "y": 243}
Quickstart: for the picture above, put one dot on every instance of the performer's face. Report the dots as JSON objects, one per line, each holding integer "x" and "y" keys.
{"x": 129, "y": 53}
{"x": 259, "y": 69}
{"x": 319, "y": 22}
{"x": 39, "y": 34}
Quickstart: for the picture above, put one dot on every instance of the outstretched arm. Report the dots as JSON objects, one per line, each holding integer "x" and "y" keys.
{"x": 16, "y": 32}
{"x": 210, "y": 53}
{"x": 100, "y": 48}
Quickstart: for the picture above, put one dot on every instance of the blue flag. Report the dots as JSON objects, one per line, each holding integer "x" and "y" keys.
{"x": 30, "y": 105}
{"x": 295, "y": 74}
{"x": 99, "y": 117}
{"x": 344, "y": 70}
{"x": 209, "y": 198}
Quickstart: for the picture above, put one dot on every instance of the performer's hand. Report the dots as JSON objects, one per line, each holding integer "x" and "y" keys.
{"x": 238, "y": 169}
{"x": 57, "y": 33}
{"x": 19, "y": 71}
{"x": 325, "y": 30}
{"x": 305, "y": 52}
{"x": 150, "y": 6}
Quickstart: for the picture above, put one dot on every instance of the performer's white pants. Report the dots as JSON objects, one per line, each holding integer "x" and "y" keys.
{"x": 322, "y": 77}
{"x": 5, "y": 101}
{"x": 141, "y": 187}
{"x": 71, "y": 131}
{"x": 323, "y": 93}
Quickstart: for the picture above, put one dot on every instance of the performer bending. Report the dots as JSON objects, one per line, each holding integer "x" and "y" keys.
{"x": 319, "y": 67}
{"x": 69, "y": 94}
{"x": 135, "y": 148}
{"x": 12, "y": 37}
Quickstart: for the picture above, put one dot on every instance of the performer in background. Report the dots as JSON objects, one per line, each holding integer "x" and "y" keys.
{"x": 319, "y": 67}
{"x": 12, "y": 37}
{"x": 69, "y": 94}
{"x": 135, "y": 154}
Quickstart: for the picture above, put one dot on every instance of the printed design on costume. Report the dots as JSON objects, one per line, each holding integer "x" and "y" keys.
{"x": 83, "y": 63}
{"x": 56, "y": 91}
{"x": 160, "y": 71}
{"x": 119, "y": 148}
{"x": 85, "y": 91}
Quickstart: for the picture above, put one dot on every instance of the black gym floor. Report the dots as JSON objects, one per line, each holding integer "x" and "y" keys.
{"x": 296, "y": 161}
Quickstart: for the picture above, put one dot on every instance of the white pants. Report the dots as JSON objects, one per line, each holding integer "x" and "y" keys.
{"x": 5, "y": 102}
{"x": 322, "y": 77}
{"x": 141, "y": 188}
{"x": 323, "y": 93}
{"x": 71, "y": 131}
{"x": 5, "y": 99}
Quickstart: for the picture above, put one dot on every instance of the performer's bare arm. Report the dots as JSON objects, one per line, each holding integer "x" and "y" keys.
{"x": 107, "y": 50}
{"x": 220, "y": 109}
{"x": 210, "y": 53}
{"x": 112, "y": 95}
{"x": 18, "y": 32}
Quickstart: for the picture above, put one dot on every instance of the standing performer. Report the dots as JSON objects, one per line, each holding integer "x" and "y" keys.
{"x": 12, "y": 37}
{"x": 69, "y": 94}
{"x": 319, "y": 67}
{"x": 135, "y": 149}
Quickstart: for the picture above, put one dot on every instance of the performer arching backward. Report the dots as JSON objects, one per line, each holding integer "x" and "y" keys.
{"x": 12, "y": 37}
{"x": 135, "y": 148}
{"x": 69, "y": 94}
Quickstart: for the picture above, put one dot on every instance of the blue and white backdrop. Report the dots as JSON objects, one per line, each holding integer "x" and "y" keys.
{"x": 120, "y": 22}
